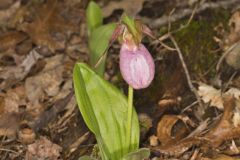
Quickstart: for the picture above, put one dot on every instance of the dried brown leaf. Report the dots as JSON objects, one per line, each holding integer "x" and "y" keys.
{"x": 200, "y": 129}
{"x": 165, "y": 129}
{"x": 43, "y": 149}
{"x": 224, "y": 130}
{"x": 214, "y": 96}
{"x": 13, "y": 99}
{"x": 26, "y": 135}
{"x": 47, "y": 82}
{"x": 233, "y": 149}
{"x": 224, "y": 157}
{"x": 4, "y": 4}
{"x": 234, "y": 34}
{"x": 48, "y": 20}
{"x": 9, "y": 124}
{"x": 153, "y": 140}
{"x": 12, "y": 75}
{"x": 7, "y": 13}
{"x": 236, "y": 115}
{"x": 210, "y": 94}
{"x": 167, "y": 104}
{"x": 9, "y": 58}
{"x": 179, "y": 147}
{"x": 67, "y": 103}
{"x": 10, "y": 39}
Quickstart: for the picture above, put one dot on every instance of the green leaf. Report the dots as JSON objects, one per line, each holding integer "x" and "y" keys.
{"x": 139, "y": 154}
{"x": 86, "y": 158}
{"x": 98, "y": 44}
{"x": 104, "y": 109}
{"x": 131, "y": 25}
{"x": 94, "y": 16}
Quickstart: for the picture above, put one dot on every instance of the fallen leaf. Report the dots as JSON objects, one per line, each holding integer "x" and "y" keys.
{"x": 165, "y": 129}
{"x": 231, "y": 43}
{"x": 65, "y": 90}
{"x": 10, "y": 58}
{"x": 200, "y": 129}
{"x": 43, "y": 149}
{"x": 233, "y": 56}
{"x": 179, "y": 147}
{"x": 234, "y": 34}
{"x": 24, "y": 47}
{"x": 48, "y": 20}
{"x": 224, "y": 157}
{"x": 211, "y": 95}
{"x": 153, "y": 140}
{"x": 12, "y": 75}
{"x": 47, "y": 116}
{"x": 10, "y": 39}
{"x": 13, "y": 99}
{"x": 235, "y": 92}
{"x": 47, "y": 82}
{"x": 224, "y": 130}
{"x": 9, "y": 124}
{"x": 233, "y": 149}
{"x": 6, "y": 4}
{"x": 26, "y": 135}
{"x": 236, "y": 118}
{"x": 7, "y": 13}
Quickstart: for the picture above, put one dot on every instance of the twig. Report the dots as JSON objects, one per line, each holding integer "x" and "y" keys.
{"x": 185, "y": 12}
{"x": 52, "y": 113}
{"x": 79, "y": 141}
{"x": 195, "y": 154}
{"x": 192, "y": 88}
{"x": 229, "y": 81}
{"x": 166, "y": 36}
{"x": 225, "y": 54}
{"x": 189, "y": 106}
{"x": 169, "y": 21}
{"x": 9, "y": 150}
{"x": 166, "y": 46}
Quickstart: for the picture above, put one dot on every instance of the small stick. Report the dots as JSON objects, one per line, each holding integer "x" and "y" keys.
{"x": 229, "y": 81}
{"x": 189, "y": 106}
{"x": 79, "y": 141}
{"x": 195, "y": 154}
{"x": 192, "y": 88}
{"x": 166, "y": 36}
{"x": 224, "y": 55}
{"x": 9, "y": 150}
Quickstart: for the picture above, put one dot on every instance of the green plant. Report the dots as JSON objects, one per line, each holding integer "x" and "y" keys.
{"x": 99, "y": 36}
{"x": 106, "y": 111}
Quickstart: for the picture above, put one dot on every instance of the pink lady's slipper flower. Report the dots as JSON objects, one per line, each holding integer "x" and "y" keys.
{"x": 136, "y": 65}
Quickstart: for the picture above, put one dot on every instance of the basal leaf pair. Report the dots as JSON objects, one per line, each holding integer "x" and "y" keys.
{"x": 104, "y": 109}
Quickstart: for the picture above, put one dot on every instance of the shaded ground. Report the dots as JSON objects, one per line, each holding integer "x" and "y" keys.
{"x": 41, "y": 41}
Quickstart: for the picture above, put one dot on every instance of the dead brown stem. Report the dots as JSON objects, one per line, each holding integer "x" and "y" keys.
{"x": 192, "y": 88}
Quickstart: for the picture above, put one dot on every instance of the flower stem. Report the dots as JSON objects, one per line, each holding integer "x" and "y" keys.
{"x": 129, "y": 116}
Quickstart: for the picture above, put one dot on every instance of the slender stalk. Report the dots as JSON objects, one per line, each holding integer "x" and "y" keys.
{"x": 129, "y": 116}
